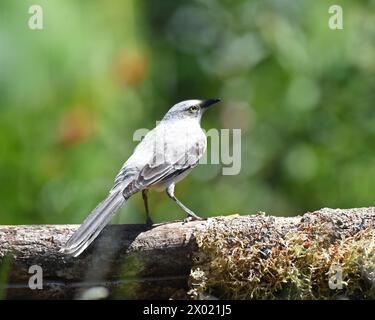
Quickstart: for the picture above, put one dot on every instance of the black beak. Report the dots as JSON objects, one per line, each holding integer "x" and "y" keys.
{"x": 209, "y": 102}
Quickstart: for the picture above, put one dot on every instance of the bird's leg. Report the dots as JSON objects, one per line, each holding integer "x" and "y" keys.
{"x": 190, "y": 214}
{"x": 145, "y": 201}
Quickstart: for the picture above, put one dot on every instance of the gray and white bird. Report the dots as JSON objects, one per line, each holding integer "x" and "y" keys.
{"x": 165, "y": 156}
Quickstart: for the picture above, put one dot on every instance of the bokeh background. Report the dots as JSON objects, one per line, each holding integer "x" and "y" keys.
{"x": 73, "y": 94}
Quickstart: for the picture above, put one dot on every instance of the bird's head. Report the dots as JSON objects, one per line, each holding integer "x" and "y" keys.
{"x": 189, "y": 109}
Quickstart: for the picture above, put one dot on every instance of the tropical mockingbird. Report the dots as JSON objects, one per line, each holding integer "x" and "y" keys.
{"x": 165, "y": 156}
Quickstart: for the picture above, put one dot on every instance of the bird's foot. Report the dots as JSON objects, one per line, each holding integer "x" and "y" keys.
{"x": 192, "y": 218}
{"x": 186, "y": 220}
{"x": 149, "y": 222}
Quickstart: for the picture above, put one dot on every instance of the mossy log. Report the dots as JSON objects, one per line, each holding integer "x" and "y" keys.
{"x": 329, "y": 253}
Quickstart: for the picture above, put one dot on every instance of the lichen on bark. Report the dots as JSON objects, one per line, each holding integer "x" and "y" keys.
{"x": 328, "y": 254}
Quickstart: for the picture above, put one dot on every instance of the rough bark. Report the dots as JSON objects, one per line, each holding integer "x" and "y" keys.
{"x": 131, "y": 261}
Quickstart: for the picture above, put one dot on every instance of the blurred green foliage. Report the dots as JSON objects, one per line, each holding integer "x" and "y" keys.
{"x": 72, "y": 95}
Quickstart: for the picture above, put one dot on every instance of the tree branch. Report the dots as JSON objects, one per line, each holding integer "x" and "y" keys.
{"x": 129, "y": 261}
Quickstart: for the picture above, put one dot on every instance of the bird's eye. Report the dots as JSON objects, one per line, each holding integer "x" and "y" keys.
{"x": 193, "y": 109}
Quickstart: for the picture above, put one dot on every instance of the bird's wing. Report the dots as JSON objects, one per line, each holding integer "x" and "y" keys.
{"x": 140, "y": 157}
{"x": 124, "y": 175}
{"x": 155, "y": 171}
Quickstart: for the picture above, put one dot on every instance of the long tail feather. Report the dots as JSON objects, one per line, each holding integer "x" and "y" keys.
{"x": 94, "y": 224}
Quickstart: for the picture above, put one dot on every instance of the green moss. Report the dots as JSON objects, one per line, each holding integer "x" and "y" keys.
{"x": 270, "y": 264}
